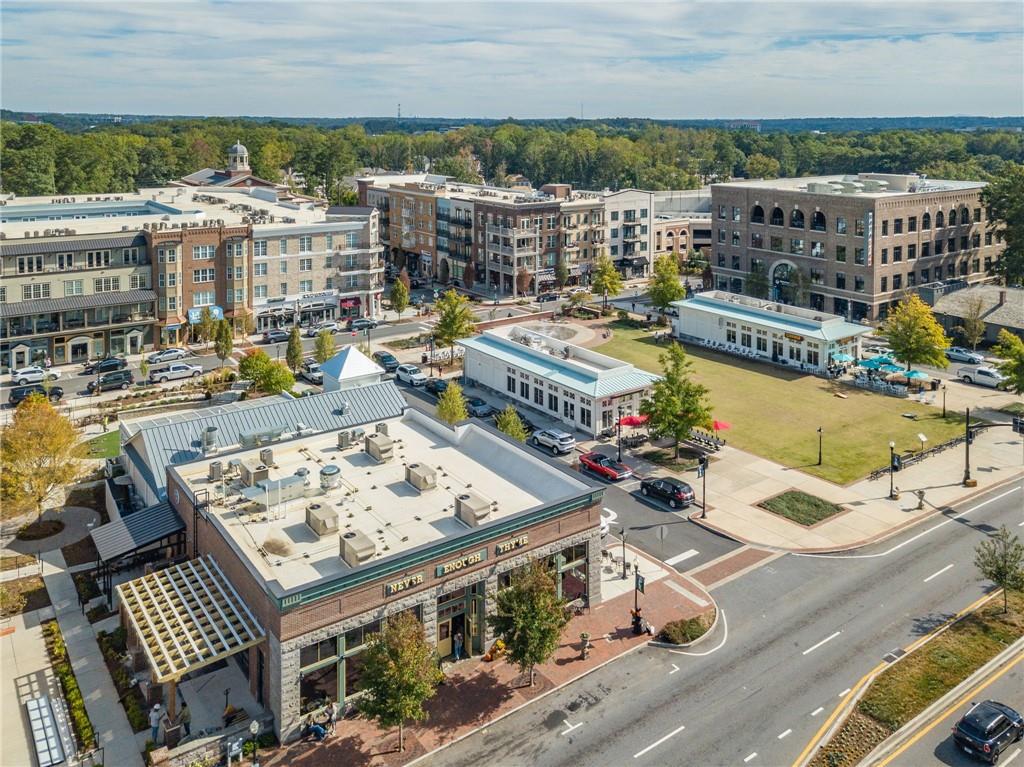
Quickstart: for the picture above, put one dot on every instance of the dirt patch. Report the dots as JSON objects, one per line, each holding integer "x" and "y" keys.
{"x": 31, "y": 587}
{"x": 853, "y": 742}
{"x": 40, "y": 529}
{"x": 14, "y": 561}
{"x": 81, "y": 552}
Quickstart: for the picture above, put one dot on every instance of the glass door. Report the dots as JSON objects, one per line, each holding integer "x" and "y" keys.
{"x": 444, "y": 637}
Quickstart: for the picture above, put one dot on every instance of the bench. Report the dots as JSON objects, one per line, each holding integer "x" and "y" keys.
{"x": 45, "y": 736}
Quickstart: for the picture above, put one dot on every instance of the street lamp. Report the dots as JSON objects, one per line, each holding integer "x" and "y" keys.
{"x": 967, "y": 448}
{"x": 892, "y": 457}
{"x": 619, "y": 429}
{"x": 819, "y": 445}
{"x": 623, "y": 526}
{"x": 943, "y": 400}
{"x": 254, "y": 730}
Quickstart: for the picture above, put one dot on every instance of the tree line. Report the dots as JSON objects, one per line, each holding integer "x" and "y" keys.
{"x": 39, "y": 159}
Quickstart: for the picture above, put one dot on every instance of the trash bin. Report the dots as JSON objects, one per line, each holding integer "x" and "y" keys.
{"x": 935, "y": 385}
{"x": 423, "y": 358}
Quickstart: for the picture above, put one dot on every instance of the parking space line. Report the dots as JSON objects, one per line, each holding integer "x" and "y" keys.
{"x": 817, "y": 711}
{"x": 844, "y": 692}
{"x": 1011, "y": 757}
{"x": 749, "y": 757}
{"x": 784, "y": 734}
{"x": 823, "y": 641}
{"x": 681, "y": 557}
{"x": 940, "y": 572}
{"x": 658, "y": 742}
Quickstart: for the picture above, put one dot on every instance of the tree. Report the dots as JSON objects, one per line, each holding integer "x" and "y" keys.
{"x": 454, "y": 320}
{"x": 469, "y": 274}
{"x": 293, "y": 353}
{"x": 207, "y": 325}
{"x": 677, "y": 405}
{"x": 529, "y": 618}
{"x": 561, "y": 272}
{"x": 510, "y": 424}
{"x": 399, "y": 674}
{"x": 40, "y": 451}
{"x": 665, "y": 285}
{"x": 266, "y": 374}
{"x": 1000, "y": 559}
{"x": 399, "y": 297}
{"x": 324, "y": 348}
{"x": 1004, "y": 204}
{"x": 1010, "y": 350}
{"x": 576, "y": 300}
{"x": 523, "y": 279}
{"x": 972, "y": 326}
{"x": 606, "y": 280}
{"x": 144, "y": 368}
{"x": 245, "y": 322}
{"x": 914, "y": 335}
{"x": 403, "y": 277}
{"x": 451, "y": 405}
{"x": 224, "y": 341}
{"x": 762, "y": 166}
{"x": 757, "y": 282}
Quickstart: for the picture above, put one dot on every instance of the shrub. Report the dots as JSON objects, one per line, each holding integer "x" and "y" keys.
{"x": 683, "y": 631}
{"x": 86, "y": 586}
{"x": 98, "y": 613}
{"x": 622, "y": 314}
{"x": 662, "y": 321}
{"x": 72, "y": 694}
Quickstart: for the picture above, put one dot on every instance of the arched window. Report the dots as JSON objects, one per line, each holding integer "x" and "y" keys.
{"x": 796, "y": 219}
{"x": 778, "y": 217}
{"x": 818, "y": 221}
{"x": 965, "y": 216}
{"x": 926, "y": 221}
{"x": 757, "y": 215}
{"x": 952, "y": 218}
{"x": 940, "y": 222}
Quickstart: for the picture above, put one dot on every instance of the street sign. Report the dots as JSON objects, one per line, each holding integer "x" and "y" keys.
{"x": 662, "y": 532}
{"x": 700, "y": 470}
{"x": 640, "y": 583}
{"x": 1018, "y": 424}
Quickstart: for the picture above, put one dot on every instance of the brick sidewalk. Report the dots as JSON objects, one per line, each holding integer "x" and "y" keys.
{"x": 476, "y": 693}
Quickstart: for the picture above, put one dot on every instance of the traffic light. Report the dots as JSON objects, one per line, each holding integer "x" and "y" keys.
{"x": 897, "y": 462}
{"x": 1018, "y": 424}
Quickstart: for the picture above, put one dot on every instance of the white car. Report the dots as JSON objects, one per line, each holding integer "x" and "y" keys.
{"x": 33, "y": 374}
{"x": 982, "y": 376}
{"x": 311, "y": 372}
{"x": 557, "y": 441}
{"x": 411, "y": 375}
{"x": 330, "y": 327}
{"x": 174, "y": 372}
{"x": 960, "y": 354}
{"x": 167, "y": 355}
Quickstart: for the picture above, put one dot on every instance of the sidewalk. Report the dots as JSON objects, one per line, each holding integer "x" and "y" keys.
{"x": 477, "y": 693}
{"x": 107, "y": 717}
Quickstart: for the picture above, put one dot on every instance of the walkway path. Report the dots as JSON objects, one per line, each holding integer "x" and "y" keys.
{"x": 107, "y": 717}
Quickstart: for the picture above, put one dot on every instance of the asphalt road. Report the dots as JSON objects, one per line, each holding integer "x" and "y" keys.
{"x": 796, "y": 634}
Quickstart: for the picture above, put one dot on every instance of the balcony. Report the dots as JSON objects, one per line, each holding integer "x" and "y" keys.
{"x": 443, "y": 216}
{"x": 505, "y": 231}
{"x": 463, "y": 222}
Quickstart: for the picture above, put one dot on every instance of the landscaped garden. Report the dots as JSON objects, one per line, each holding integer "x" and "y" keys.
{"x": 775, "y": 413}
{"x": 800, "y": 507}
{"x": 105, "y": 446}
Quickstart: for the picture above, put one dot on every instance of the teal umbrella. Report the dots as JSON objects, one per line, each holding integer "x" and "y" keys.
{"x": 872, "y": 364}
{"x": 882, "y": 359}
{"x": 841, "y": 357}
{"x": 890, "y": 368}
{"x": 915, "y": 375}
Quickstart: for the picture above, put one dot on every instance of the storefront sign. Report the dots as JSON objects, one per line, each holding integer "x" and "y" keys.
{"x": 516, "y": 543}
{"x": 403, "y": 584}
{"x": 461, "y": 564}
{"x": 794, "y": 337}
{"x": 196, "y": 314}
{"x": 321, "y": 294}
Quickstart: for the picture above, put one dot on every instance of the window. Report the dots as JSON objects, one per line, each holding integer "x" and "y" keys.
{"x": 305, "y": 244}
{"x": 203, "y": 298}
{"x": 977, "y": 217}
{"x": 552, "y": 403}
{"x": 840, "y": 280}
{"x": 818, "y": 223}
{"x": 778, "y": 217}
{"x": 260, "y": 270}
{"x": 757, "y": 215}
{"x": 721, "y": 212}
{"x": 858, "y": 227}
{"x": 885, "y": 228}
{"x": 97, "y": 258}
{"x": 305, "y": 286}
{"x": 282, "y": 246}
{"x": 259, "y": 291}
{"x": 329, "y": 283}
{"x": 730, "y": 336}
{"x": 736, "y": 262}
{"x": 975, "y": 264}
{"x": 897, "y": 254}
{"x": 569, "y": 410}
{"x": 911, "y": 252}
{"x": 912, "y": 224}
{"x": 204, "y": 275}
{"x": 137, "y": 282}
{"x": 305, "y": 264}
{"x": 988, "y": 238}
{"x": 952, "y": 218}
{"x": 926, "y": 221}
{"x": 538, "y": 396}
{"x": 938, "y": 247}
{"x": 897, "y": 281}
{"x": 885, "y": 255}
{"x": 721, "y": 235}
{"x": 239, "y": 295}
{"x": 615, "y": 217}
{"x": 170, "y": 255}
{"x": 172, "y": 303}
{"x": 615, "y": 233}
{"x": 858, "y": 283}
{"x": 818, "y": 249}
{"x": 897, "y": 226}
{"x": 30, "y": 264}
{"x": 202, "y": 252}
{"x": 736, "y": 237}
{"x": 735, "y": 213}
{"x": 282, "y": 266}
{"x": 775, "y": 243}
{"x": 106, "y": 284}
{"x": 510, "y": 384}
{"x": 796, "y": 219}
{"x": 259, "y": 248}
{"x": 884, "y": 287}
{"x": 3, "y": 294}
{"x": 172, "y": 279}
{"x": 643, "y": 213}
{"x": 128, "y": 256}
{"x": 926, "y": 248}
{"x": 951, "y": 245}
{"x": 860, "y": 257}
{"x": 756, "y": 240}
{"x": 940, "y": 220}
{"x": 235, "y": 249}
{"x": 840, "y": 253}
{"x": 72, "y": 287}
{"x": 965, "y": 243}
{"x": 67, "y": 260}
{"x": 840, "y": 225}
{"x": 796, "y": 246}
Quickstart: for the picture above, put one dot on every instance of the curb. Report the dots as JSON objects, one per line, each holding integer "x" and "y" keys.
{"x": 695, "y": 642}
{"x": 899, "y": 737}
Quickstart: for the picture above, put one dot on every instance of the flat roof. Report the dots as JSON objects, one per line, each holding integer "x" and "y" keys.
{"x": 372, "y": 498}
{"x": 868, "y": 185}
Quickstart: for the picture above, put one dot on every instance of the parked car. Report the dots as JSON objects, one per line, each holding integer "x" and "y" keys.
{"x": 119, "y": 379}
{"x": 557, "y": 441}
{"x": 415, "y": 283}
{"x": 605, "y": 467}
{"x": 33, "y": 374}
{"x": 987, "y": 729}
{"x": 175, "y": 371}
{"x": 960, "y": 354}
{"x": 527, "y": 423}
{"x": 275, "y": 336}
{"x": 436, "y": 386}
{"x": 574, "y": 291}
{"x": 314, "y": 330}
{"x": 478, "y": 408}
{"x": 386, "y": 360}
{"x": 106, "y": 365}
{"x": 675, "y": 492}
{"x": 167, "y": 355}
{"x": 982, "y": 376}
{"x": 362, "y": 323}
{"x": 545, "y": 297}
{"x": 20, "y": 393}
{"x": 411, "y": 375}
{"x": 311, "y": 372}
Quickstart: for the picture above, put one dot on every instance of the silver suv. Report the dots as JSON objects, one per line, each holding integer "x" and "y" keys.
{"x": 557, "y": 441}
{"x": 174, "y": 372}
{"x": 982, "y": 376}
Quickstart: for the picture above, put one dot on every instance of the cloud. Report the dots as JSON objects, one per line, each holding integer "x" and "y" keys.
{"x": 525, "y": 59}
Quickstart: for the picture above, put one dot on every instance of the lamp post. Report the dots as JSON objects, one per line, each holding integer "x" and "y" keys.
{"x": 943, "y": 400}
{"x": 892, "y": 456}
{"x": 967, "y": 447}
{"x": 254, "y": 730}
{"x": 618, "y": 426}
{"x": 819, "y": 445}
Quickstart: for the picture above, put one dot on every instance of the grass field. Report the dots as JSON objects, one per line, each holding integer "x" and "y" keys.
{"x": 800, "y": 507}
{"x": 105, "y": 446}
{"x": 776, "y": 414}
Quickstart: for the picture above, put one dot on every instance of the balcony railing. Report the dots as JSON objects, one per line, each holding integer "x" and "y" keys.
{"x": 463, "y": 222}
{"x": 505, "y": 231}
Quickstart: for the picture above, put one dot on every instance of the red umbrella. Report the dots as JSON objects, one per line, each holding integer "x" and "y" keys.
{"x": 720, "y": 425}
{"x": 632, "y": 420}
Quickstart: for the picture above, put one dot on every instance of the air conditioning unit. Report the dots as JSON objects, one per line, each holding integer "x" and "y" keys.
{"x": 267, "y": 456}
{"x": 421, "y": 476}
{"x": 344, "y": 440}
{"x": 472, "y": 509}
{"x": 356, "y": 548}
{"x": 380, "y": 447}
{"x": 321, "y": 519}
{"x": 253, "y": 472}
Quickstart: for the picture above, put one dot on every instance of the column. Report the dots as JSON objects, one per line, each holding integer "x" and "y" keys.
{"x": 594, "y": 568}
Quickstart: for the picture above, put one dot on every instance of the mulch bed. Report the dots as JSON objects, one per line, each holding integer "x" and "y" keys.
{"x": 81, "y": 552}
{"x": 41, "y": 528}
{"x": 34, "y": 591}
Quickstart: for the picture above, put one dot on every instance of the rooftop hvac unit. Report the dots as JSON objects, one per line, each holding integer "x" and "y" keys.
{"x": 382, "y": 428}
{"x": 472, "y": 509}
{"x": 421, "y": 476}
{"x": 380, "y": 447}
{"x": 267, "y": 456}
{"x": 356, "y": 548}
{"x": 216, "y": 470}
{"x": 321, "y": 519}
{"x": 330, "y": 476}
{"x": 253, "y": 472}
{"x": 344, "y": 440}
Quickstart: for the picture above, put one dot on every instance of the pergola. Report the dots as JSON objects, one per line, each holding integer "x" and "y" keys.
{"x": 186, "y": 617}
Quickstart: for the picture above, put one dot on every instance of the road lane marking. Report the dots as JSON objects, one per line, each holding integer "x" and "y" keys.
{"x": 681, "y": 557}
{"x": 570, "y": 727}
{"x": 826, "y": 639}
{"x": 817, "y": 711}
{"x": 675, "y": 668}
{"x": 688, "y": 594}
{"x": 725, "y": 627}
{"x": 750, "y": 757}
{"x": 1011, "y": 757}
{"x": 843, "y": 693}
{"x": 658, "y": 742}
{"x": 784, "y": 734}
{"x": 940, "y": 572}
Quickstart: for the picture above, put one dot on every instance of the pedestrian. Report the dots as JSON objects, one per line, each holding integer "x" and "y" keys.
{"x": 633, "y": 305}
{"x": 458, "y": 645}
{"x": 332, "y": 715}
{"x": 185, "y": 719}
{"x": 47, "y": 362}
{"x": 154, "y": 722}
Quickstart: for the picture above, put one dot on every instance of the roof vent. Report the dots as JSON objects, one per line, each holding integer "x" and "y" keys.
{"x": 356, "y": 548}
{"x": 330, "y": 477}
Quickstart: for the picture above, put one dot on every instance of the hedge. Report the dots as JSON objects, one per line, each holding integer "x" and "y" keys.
{"x": 72, "y": 694}
{"x": 684, "y": 631}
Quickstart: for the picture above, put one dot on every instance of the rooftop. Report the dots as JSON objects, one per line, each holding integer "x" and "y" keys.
{"x": 313, "y": 510}
{"x": 868, "y": 185}
{"x": 999, "y": 305}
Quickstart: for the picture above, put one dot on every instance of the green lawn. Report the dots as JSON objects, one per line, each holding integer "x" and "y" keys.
{"x": 775, "y": 413}
{"x": 802, "y": 508}
{"x": 105, "y": 446}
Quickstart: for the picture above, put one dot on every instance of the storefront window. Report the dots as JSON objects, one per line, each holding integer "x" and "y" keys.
{"x": 353, "y": 671}
{"x": 359, "y": 636}
{"x": 318, "y": 652}
{"x": 316, "y": 687}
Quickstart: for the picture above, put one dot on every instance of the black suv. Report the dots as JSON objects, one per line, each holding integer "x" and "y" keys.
{"x": 107, "y": 365}
{"x": 119, "y": 379}
{"x": 20, "y": 393}
{"x": 675, "y": 492}
{"x": 987, "y": 729}
{"x": 386, "y": 360}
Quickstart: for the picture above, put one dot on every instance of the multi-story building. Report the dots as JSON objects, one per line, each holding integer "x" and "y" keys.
{"x": 682, "y": 233}
{"x": 849, "y": 245}
{"x": 584, "y": 234}
{"x": 630, "y": 215}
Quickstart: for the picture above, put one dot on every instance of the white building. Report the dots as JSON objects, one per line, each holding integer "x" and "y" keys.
{"x": 755, "y": 327}
{"x": 577, "y": 386}
{"x": 630, "y": 214}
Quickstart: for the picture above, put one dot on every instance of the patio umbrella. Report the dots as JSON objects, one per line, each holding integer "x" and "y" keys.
{"x": 916, "y": 375}
{"x": 632, "y": 420}
{"x": 891, "y": 369}
{"x": 871, "y": 364}
{"x": 883, "y": 359}
{"x": 842, "y": 357}
{"x": 720, "y": 425}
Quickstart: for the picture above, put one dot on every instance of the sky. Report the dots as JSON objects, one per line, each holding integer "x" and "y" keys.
{"x": 615, "y": 58}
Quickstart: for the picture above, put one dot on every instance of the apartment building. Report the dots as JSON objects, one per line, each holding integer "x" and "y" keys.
{"x": 848, "y": 245}
{"x": 630, "y": 215}
{"x": 584, "y": 235}
{"x": 681, "y": 234}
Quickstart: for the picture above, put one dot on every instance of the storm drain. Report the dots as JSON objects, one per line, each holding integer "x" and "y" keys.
{"x": 892, "y": 657}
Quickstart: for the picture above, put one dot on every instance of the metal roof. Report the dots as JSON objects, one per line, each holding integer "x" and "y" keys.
{"x": 33, "y": 247}
{"x": 830, "y": 330}
{"x": 176, "y": 438}
{"x": 69, "y": 303}
{"x": 133, "y": 531}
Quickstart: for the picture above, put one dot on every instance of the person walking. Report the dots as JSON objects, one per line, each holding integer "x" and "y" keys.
{"x": 458, "y": 645}
{"x": 332, "y": 716}
{"x": 154, "y": 722}
{"x": 185, "y": 719}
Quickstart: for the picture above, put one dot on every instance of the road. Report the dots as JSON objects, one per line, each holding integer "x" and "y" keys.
{"x": 796, "y": 635}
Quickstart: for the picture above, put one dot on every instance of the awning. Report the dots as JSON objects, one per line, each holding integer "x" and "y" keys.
{"x": 70, "y": 303}
{"x": 134, "y": 531}
{"x": 187, "y": 617}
